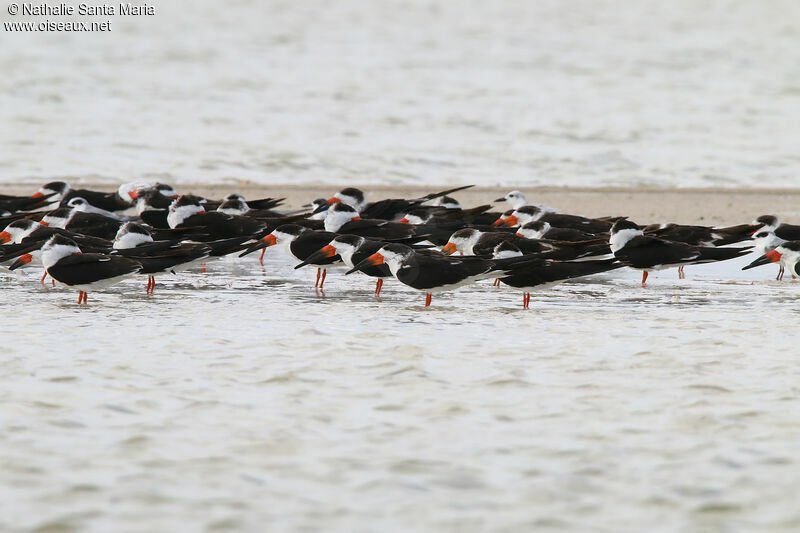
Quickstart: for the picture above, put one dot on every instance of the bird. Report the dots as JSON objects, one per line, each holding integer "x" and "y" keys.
{"x": 352, "y": 249}
{"x": 389, "y": 209}
{"x": 157, "y": 257}
{"x": 766, "y": 241}
{"x": 543, "y": 230}
{"x": 432, "y": 273}
{"x": 86, "y": 223}
{"x": 14, "y": 204}
{"x": 341, "y": 218}
{"x": 471, "y": 241}
{"x": 532, "y": 213}
{"x": 787, "y": 253}
{"x": 25, "y": 230}
{"x": 541, "y": 273}
{"x": 224, "y": 233}
{"x": 10, "y": 253}
{"x": 119, "y": 200}
{"x": 771, "y": 223}
{"x": 636, "y": 250}
{"x": 81, "y": 205}
{"x": 300, "y": 242}
{"x": 702, "y": 235}
{"x": 65, "y": 263}
{"x": 516, "y": 200}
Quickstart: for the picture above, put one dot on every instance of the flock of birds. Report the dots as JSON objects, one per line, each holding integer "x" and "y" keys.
{"x": 88, "y": 240}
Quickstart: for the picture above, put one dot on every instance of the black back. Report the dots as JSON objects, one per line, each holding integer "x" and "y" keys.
{"x": 82, "y": 269}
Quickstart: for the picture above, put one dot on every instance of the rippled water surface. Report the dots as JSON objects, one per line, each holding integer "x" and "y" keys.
{"x": 513, "y": 92}
{"x": 241, "y": 400}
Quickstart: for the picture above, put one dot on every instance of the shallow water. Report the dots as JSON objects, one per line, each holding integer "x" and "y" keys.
{"x": 241, "y": 400}
{"x": 411, "y": 92}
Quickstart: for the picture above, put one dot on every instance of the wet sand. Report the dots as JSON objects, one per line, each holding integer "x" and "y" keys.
{"x": 645, "y": 205}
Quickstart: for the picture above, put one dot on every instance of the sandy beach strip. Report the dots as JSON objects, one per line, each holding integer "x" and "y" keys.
{"x": 643, "y": 205}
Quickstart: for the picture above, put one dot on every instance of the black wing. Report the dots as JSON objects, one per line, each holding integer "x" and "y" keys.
{"x": 429, "y": 271}
{"x": 647, "y": 252}
{"x": 82, "y": 269}
{"x": 104, "y": 200}
{"x": 539, "y": 272}
{"x": 156, "y": 218}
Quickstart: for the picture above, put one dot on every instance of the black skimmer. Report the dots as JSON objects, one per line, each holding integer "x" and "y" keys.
{"x": 472, "y": 241}
{"x": 86, "y": 223}
{"x": 10, "y": 253}
{"x": 28, "y": 231}
{"x": 14, "y": 204}
{"x": 432, "y": 273}
{"x": 352, "y": 249}
{"x": 389, "y": 209}
{"x": 119, "y": 200}
{"x": 160, "y": 195}
{"x": 540, "y": 273}
{"x": 766, "y": 241}
{"x": 301, "y": 243}
{"x": 318, "y": 208}
{"x": 81, "y": 205}
{"x": 261, "y": 204}
{"x": 343, "y": 219}
{"x": 441, "y": 215}
{"x": 237, "y": 205}
{"x": 702, "y": 235}
{"x": 636, "y": 250}
{"x": 532, "y": 213}
{"x": 516, "y": 200}
{"x": 148, "y": 207}
{"x": 787, "y": 254}
{"x": 788, "y": 232}
{"x": 187, "y": 211}
{"x": 448, "y": 202}
{"x": 543, "y": 230}
{"x": 157, "y": 257}
{"x": 65, "y": 263}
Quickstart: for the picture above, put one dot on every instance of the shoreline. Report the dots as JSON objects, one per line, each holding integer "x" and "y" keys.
{"x": 707, "y": 206}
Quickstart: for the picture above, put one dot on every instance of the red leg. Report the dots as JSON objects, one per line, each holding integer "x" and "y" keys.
{"x": 80, "y": 297}
{"x": 43, "y": 276}
{"x": 203, "y": 268}
{"x": 428, "y": 298}
{"x": 780, "y": 273}
{"x": 261, "y": 259}
{"x": 644, "y": 277}
{"x": 378, "y": 286}
{"x": 681, "y": 275}
{"x": 316, "y": 284}
{"x": 324, "y": 273}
